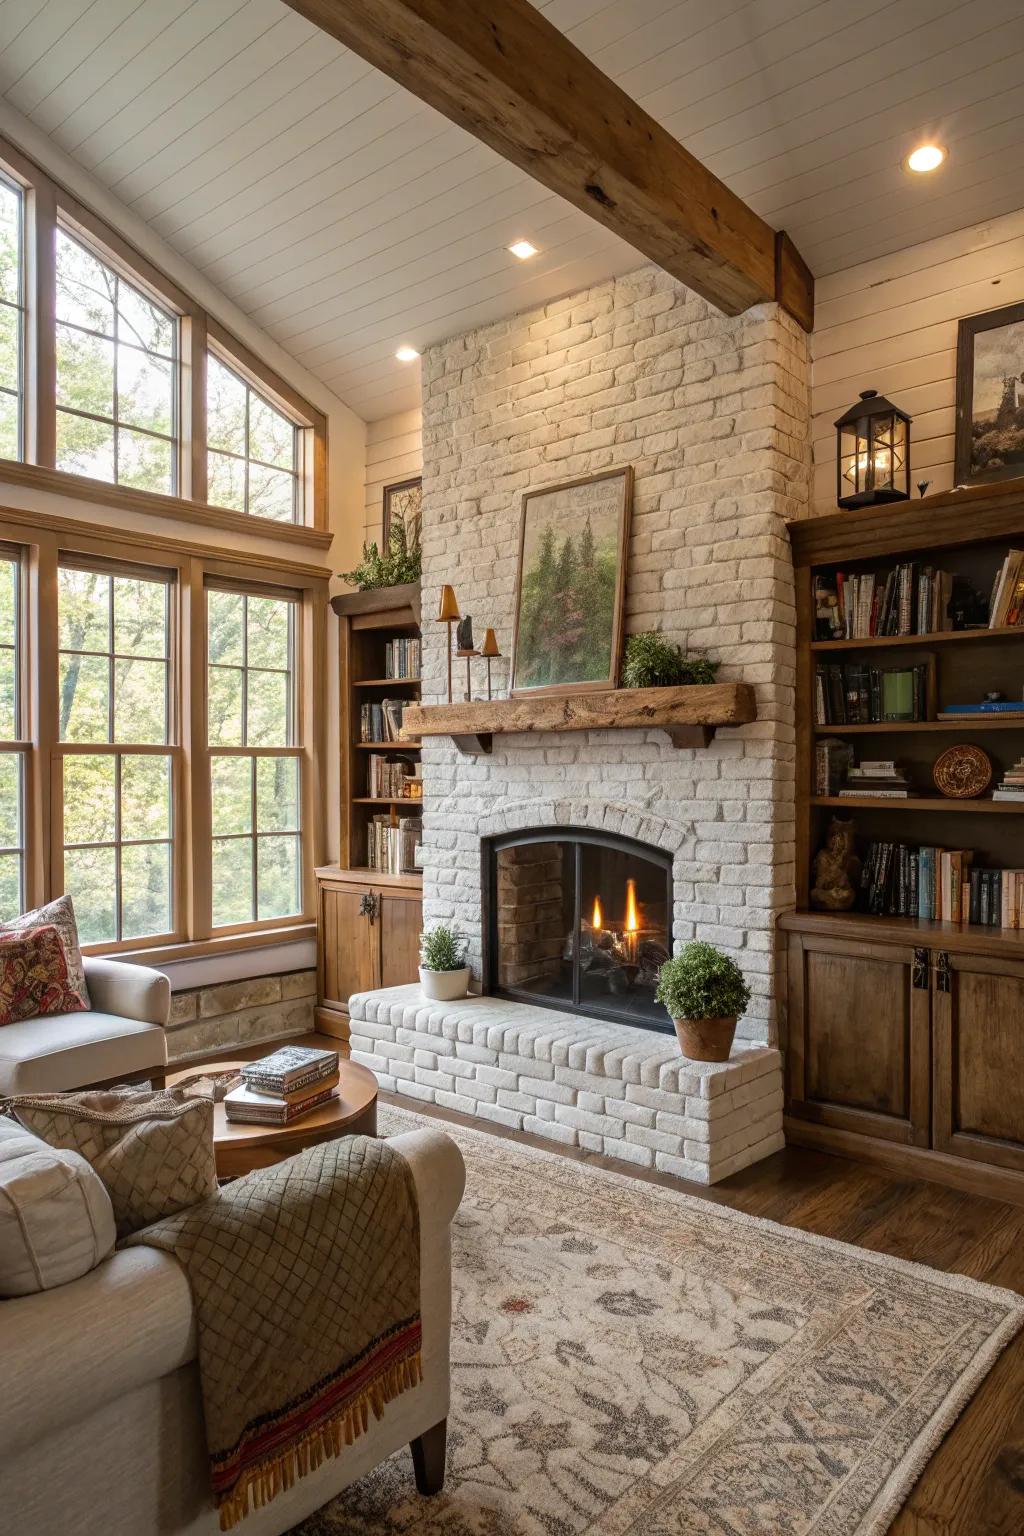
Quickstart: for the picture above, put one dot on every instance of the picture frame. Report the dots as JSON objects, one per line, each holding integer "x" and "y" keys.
{"x": 571, "y": 585}
{"x": 989, "y": 443}
{"x": 405, "y": 498}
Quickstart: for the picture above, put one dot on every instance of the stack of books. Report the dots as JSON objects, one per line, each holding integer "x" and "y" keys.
{"x": 388, "y": 779}
{"x": 1007, "y": 604}
{"x": 383, "y": 721}
{"x": 391, "y": 845}
{"x": 1011, "y": 785}
{"x": 1006, "y": 709}
{"x": 402, "y": 658}
{"x": 878, "y": 779}
{"x": 281, "y": 1088}
{"x": 897, "y": 881}
{"x": 909, "y": 600}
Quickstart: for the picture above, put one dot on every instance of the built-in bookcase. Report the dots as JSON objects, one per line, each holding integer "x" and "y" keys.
{"x": 904, "y": 1035}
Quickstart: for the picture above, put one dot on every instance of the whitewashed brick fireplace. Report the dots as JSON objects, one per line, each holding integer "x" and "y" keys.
{"x": 712, "y": 413}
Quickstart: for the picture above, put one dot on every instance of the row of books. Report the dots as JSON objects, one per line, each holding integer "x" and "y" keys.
{"x": 402, "y": 658}
{"x": 389, "y": 778}
{"x": 910, "y": 600}
{"x": 391, "y": 845}
{"x": 282, "y": 1087}
{"x": 1007, "y": 604}
{"x": 381, "y": 722}
{"x": 1011, "y": 785}
{"x": 940, "y": 883}
{"x": 858, "y": 694}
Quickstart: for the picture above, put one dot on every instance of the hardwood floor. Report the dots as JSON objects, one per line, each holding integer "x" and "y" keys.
{"x": 974, "y": 1484}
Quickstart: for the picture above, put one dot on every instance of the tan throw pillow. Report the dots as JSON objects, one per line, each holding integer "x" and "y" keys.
{"x": 59, "y": 914}
{"x": 154, "y": 1155}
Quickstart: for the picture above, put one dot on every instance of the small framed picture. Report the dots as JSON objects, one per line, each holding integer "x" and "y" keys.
{"x": 990, "y": 396}
{"x": 571, "y": 585}
{"x": 402, "y": 502}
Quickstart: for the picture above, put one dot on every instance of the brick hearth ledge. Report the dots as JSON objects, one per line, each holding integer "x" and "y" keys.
{"x": 581, "y": 1082}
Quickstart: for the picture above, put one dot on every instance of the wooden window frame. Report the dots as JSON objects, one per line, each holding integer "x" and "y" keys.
{"x": 42, "y": 543}
{"x": 48, "y": 205}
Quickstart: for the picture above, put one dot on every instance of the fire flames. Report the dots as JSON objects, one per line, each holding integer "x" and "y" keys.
{"x": 632, "y": 920}
{"x": 597, "y": 918}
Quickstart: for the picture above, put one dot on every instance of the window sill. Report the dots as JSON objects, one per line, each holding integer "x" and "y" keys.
{"x": 200, "y": 949}
{"x": 81, "y": 488}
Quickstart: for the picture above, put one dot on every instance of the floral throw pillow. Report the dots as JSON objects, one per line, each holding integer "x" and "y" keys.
{"x": 59, "y": 914}
{"x": 34, "y": 976}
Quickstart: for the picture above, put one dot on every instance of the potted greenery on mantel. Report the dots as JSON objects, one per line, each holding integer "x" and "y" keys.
{"x": 651, "y": 661}
{"x": 384, "y": 578}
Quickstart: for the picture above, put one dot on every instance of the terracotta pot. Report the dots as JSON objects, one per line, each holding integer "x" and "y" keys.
{"x": 706, "y": 1039}
{"x": 445, "y": 986}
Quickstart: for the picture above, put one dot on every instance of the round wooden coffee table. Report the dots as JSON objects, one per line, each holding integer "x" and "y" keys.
{"x": 240, "y": 1147}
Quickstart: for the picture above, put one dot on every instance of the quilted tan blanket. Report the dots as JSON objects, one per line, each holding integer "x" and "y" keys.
{"x": 306, "y": 1284}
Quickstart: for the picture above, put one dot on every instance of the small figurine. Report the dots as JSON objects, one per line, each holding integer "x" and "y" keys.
{"x": 836, "y": 870}
{"x": 464, "y": 647}
{"x": 922, "y": 486}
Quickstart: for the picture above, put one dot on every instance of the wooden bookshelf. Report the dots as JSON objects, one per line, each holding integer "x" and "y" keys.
{"x": 905, "y": 1036}
{"x": 368, "y": 920}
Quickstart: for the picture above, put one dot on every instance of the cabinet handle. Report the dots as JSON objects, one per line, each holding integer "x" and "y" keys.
{"x": 368, "y": 906}
{"x": 943, "y": 972}
{"x": 920, "y": 973}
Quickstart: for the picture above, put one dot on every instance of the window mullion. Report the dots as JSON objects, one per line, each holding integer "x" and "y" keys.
{"x": 41, "y": 292}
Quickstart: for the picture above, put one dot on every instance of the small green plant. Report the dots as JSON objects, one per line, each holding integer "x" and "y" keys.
{"x": 398, "y": 563}
{"x": 702, "y": 983}
{"x": 442, "y": 949}
{"x": 651, "y": 661}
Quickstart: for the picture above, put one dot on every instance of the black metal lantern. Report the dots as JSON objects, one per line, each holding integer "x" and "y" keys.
{"x": 872, "y": 453}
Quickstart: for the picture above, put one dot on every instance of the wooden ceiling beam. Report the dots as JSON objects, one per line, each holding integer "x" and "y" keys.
{"x": 502, "y": 71}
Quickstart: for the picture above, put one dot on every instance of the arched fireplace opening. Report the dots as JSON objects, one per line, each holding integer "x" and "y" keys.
{"x": 577, "y": 920}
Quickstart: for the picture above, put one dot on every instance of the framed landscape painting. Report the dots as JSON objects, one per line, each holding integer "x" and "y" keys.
{"x": 402, "y": 503}
{"x": 990, "y": 396}
{"x": 571, "y": 585}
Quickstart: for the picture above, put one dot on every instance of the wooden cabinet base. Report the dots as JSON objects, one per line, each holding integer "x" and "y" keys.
{"x": 909, "y": 1162}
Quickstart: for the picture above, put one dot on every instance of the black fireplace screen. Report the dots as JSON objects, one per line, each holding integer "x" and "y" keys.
{"x": 578, "y": 920}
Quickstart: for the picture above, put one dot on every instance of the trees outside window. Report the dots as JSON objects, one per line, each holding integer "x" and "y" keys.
{"x": 115, "y": 724}
{"x": 252, "y": 462}
{"x": 254, "y": 757}
{"x": 12, "y": 745}
{"x": 117, "y": 383}
{"x": 12, "y": 319}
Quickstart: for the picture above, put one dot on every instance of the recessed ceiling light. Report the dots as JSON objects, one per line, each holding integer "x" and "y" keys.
{"x": 927, "y": 157}
{"x": 523, "y": 249}
{"x": 407, "y": 354}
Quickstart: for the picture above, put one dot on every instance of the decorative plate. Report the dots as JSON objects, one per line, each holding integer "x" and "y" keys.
{"x": 962, "y": 772}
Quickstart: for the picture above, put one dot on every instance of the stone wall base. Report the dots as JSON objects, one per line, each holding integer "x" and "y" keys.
{"x": 609, "y": 1088}
{"x": 211, "y": 1020}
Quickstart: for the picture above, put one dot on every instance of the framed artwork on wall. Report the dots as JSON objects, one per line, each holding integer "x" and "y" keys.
{"x": 403, "y": 501}
{"x": 571, "y": 584}
{"x": 990, "y": 396}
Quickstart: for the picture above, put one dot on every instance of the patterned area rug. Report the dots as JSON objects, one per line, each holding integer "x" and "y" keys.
{"x": 628, "y": 1361}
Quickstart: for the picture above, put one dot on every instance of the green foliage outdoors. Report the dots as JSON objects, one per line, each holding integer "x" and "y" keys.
{"x": 400, "y": 562}
{"x": 702, "y": 983}
{"x": 651, "y": 661}
{"x": 10, "y": 320}
{"x": 442, "y": 949}
{"x": 566, "y": 610}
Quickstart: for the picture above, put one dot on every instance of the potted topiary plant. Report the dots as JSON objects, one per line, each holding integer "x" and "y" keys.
{"x": 444, "y": 974}
{"x": 704, "y": 992}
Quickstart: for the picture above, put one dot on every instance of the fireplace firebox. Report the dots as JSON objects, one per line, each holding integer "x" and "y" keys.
{"x": 578, "y": 920}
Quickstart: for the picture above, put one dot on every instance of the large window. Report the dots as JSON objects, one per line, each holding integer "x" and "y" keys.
{"x": 253, "y": 448}
{"x": 115, "y": 726}
{"x": 116, "y": 375}
{"x": 254, "y": 757}
{"x": 12, "y": 319}
{"x": 12, "y": 743}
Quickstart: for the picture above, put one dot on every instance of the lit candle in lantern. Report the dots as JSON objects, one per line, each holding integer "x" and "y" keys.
{"x": 597, "y": 916}
{"x": 632, "y": 923}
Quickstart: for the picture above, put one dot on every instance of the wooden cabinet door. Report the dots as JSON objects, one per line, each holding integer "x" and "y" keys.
{"x": 400, "y": 920}
{"x": 347, "y": 945}
{"x": 858, "y": 1049}
{"x": 978, "y": 1060}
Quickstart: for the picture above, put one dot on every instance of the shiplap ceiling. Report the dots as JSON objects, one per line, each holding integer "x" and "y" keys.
{"x": 347, "y": 218}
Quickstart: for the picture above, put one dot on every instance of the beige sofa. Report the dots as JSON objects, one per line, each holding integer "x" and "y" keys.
{"x": 120, "y": 1039}
{"x": 101, "y": 1430}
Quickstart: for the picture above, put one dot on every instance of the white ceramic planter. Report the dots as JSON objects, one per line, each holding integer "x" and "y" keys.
{"x": 445, "y": 986}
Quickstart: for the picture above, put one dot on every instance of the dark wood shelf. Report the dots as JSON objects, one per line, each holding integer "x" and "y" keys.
{"x": 387, "y": 746}
{"x": 863, "y": 927}
{"x": 937, "y": 637}
{"x": 982, "y": 805}
{"x": 386, "y": 682}
{"x": 392, "y": 800}
{"x": 878, "y": 727}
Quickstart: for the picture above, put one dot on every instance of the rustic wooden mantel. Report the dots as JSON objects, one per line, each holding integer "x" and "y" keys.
{"x": 689, "y": 716}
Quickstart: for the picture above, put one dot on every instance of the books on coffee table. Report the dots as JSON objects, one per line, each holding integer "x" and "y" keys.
{"x": 289, "y": 1069}
{"x": 243, "y": 1104}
